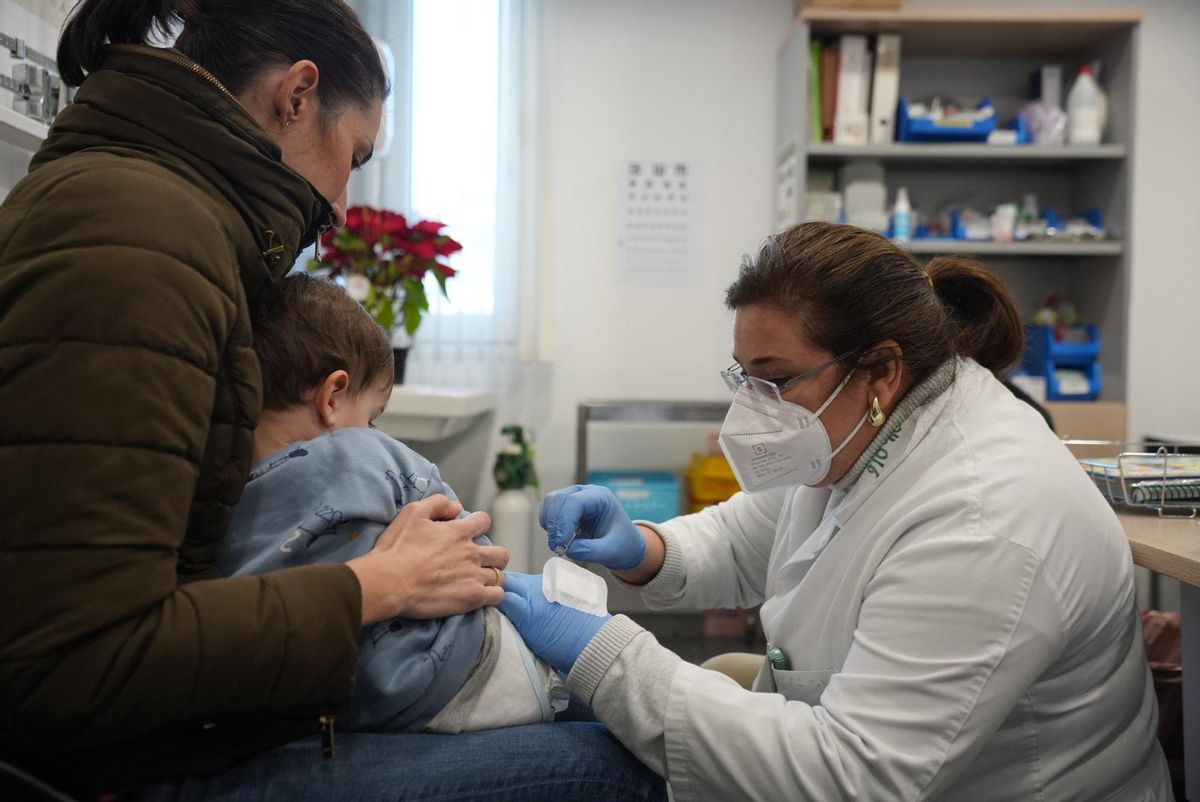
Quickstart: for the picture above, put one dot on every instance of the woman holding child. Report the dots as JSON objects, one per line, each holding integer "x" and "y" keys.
{"x": 180, "y": 185}
{"x": 950, "y": 605}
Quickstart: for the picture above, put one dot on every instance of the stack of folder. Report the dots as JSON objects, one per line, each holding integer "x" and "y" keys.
{"x": 854, "y": 90}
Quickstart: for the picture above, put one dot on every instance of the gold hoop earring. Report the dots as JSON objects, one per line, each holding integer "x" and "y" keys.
{"x": 877, "y": 417}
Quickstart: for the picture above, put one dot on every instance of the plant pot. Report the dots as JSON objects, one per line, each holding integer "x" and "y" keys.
{"x": 399, "y": 358}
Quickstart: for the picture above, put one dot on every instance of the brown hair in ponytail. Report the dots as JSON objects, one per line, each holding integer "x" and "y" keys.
{"x": 235, "y": 40}
{"x": 850, "y": 289}
{"x": 981, "y": 310}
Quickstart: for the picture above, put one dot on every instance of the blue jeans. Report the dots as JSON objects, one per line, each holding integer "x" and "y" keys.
{"x": 573, "y": 760}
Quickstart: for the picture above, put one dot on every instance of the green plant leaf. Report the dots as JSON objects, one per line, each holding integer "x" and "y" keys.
{"x": 415, "y": 304}
{"x": 379, "y": 305}
{"x": 387, "y": 315}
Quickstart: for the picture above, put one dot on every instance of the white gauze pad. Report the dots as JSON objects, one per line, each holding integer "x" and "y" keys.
{"x": 574, "y": 586}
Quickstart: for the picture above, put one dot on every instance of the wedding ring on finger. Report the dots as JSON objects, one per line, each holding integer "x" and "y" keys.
{"x": 499, "y": 578}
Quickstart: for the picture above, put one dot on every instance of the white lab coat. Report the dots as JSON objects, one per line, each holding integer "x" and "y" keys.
{"x": 961, "y": 626}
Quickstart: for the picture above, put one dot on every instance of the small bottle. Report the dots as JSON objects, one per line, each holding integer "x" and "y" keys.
{"x": 1087, "y": 109}
{"x": 902, "y": 217}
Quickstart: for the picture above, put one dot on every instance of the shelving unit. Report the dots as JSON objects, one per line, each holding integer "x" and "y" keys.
{"x": 918, "y": 153}
{"x": 946, "y": 32}
{"x": 1029, "y": 248}
{"x": 21, "y": 131}
{"x": 968, "y": 55}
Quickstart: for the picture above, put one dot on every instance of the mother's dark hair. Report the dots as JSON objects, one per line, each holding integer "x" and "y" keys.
{"x": 851, "y": 289}
{"x": 235, "y": 40}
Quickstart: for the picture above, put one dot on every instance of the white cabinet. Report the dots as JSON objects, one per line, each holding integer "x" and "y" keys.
{"x": 455, "y": 429}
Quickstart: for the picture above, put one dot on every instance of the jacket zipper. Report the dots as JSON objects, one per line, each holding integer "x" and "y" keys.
{"x": 181, "y": 61}
{"x": 327, "y": 746}
{"x": 274, "y": 252}
{"x": 317, "y": 242}
{"x": 188, "y": 64}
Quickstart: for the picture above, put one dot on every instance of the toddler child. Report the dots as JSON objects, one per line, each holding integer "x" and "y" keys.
{"x": 324, "y": 486}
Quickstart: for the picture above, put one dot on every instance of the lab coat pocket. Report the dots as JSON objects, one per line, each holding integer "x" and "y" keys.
{"x": 802, "y": 686}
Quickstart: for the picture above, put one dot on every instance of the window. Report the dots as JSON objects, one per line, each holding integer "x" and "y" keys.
{"x": 462, "y": 89}
{"x": 454, "y": 136}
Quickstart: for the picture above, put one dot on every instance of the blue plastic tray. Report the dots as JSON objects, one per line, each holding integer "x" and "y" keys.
{"x": 909, "y": 129}
{"x": 1043, "y": 354}
{"x": 646, "y": 495}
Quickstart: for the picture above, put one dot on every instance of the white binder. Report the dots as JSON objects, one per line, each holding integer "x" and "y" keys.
{"x": 850, "y": 121}
{"x": 885, "y": 92}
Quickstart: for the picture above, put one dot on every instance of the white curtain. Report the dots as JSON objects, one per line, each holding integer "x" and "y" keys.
{"x": 464, "y": 116}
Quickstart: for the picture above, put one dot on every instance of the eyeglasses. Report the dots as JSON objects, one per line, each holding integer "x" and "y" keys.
{"x": 736, "y": 377}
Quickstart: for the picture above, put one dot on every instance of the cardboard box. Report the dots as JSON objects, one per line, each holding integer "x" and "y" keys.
{"x": 1090, "y": 420}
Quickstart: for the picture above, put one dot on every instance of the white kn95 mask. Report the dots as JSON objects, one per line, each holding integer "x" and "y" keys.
{"x": 774, "y": 443}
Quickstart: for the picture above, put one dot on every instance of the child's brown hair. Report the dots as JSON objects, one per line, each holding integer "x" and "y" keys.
{"x": 305, "y": 329}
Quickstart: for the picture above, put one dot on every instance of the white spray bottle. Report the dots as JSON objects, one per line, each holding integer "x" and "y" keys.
{"x": 513, "y": 522}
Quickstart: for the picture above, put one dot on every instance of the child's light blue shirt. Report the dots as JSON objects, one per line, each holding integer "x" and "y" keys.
{"x": 328, "y": 500}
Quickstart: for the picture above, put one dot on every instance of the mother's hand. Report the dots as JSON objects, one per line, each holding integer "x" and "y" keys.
{"x": 426, "y": 564}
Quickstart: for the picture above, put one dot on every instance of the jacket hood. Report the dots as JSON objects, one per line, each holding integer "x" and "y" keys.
{"x": 168, "y": 110}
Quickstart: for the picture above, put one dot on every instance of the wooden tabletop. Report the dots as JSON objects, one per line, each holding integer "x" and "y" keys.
{"x": 1169, "y": 546}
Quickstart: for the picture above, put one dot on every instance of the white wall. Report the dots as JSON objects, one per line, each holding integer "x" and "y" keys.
{"x": 623, "y": 79}
{"x": 37, "y": 22}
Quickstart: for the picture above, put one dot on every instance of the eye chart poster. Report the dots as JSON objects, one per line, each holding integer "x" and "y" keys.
{"x": 659, "y": 238}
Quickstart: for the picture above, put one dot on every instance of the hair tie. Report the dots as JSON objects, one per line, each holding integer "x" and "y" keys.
{"x": 929, "y": 280}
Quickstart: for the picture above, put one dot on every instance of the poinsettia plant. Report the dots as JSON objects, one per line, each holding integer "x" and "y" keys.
{"x": 383, "y": 259}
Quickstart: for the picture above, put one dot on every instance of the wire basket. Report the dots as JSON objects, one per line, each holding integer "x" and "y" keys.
{"x": 1163, "y": 478}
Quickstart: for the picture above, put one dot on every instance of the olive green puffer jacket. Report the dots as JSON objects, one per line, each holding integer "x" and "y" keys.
{"x": 128, "y": 398}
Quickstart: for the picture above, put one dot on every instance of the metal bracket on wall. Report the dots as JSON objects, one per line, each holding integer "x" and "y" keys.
{"x": 38, "y": 91}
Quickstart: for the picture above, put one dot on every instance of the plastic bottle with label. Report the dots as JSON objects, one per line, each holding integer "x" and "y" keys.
{"x": 902, "y": 217}
{"x": 1087, "y": 110}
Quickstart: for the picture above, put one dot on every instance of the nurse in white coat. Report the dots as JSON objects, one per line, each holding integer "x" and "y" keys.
{"x": 949, "y": 601}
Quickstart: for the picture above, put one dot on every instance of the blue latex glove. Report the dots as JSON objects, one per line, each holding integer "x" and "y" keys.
{"x": 606, "y": 535}
{"x": 553, "y": 632}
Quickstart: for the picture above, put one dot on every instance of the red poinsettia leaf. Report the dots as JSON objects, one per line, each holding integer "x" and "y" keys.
{"x": 422, "y": 249}
{"x": 428, "y": 227}
{"x": 354, "y": 218}
{"x": 372, "y": 226}
{"x": 446, "y": 246}
{"x": 446, "y": 270}
{"x": 395, "y": 225}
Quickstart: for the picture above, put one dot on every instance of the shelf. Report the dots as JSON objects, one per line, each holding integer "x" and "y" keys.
{"x": 24, "y": 132}
{"x": 432, "y": 413}
{"x": 653, "y": 411}
{"x": 1037, "y": 248}
{"x": 642, "y": 411}
{"x": 922, "y": 153}
{"x": 981, "y": 33}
